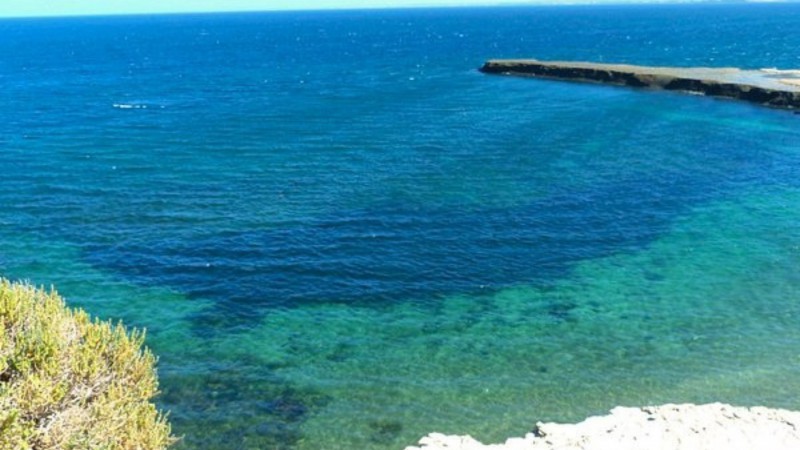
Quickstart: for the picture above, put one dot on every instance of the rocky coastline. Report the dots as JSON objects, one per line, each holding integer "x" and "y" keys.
{"x": 676, "y": 427}
{"x": 768, "y": 87}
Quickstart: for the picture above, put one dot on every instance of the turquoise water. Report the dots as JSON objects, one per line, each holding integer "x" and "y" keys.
{"x": 339, "y": 234}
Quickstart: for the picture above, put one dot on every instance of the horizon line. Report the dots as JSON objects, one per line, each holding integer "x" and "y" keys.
{"x": 420, "y": 5}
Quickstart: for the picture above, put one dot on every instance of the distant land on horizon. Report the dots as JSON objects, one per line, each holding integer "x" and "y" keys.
{"x": 93, "y": 10}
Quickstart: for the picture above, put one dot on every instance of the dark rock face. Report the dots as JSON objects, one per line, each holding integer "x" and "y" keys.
{"x": 762, "y": 87}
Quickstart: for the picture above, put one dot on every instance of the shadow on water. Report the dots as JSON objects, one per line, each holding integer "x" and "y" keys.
{"x": 378, "y": 256}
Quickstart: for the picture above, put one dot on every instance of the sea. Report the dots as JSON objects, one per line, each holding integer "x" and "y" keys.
{"x": 339, "y": 234}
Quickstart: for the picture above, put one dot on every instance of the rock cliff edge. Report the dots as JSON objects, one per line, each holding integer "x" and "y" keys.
{"x": 675, "y": 427}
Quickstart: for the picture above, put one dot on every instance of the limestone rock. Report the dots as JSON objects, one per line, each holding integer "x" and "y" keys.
{"x": 674, "y": 427}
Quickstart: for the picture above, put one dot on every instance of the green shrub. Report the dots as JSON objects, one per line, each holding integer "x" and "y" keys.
{"x": 70, "y": 382}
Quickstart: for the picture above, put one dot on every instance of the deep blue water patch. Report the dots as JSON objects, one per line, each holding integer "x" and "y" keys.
{"x": 371, "y": 257}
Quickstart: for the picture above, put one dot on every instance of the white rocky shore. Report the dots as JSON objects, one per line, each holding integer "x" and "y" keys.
{"x": 675, "y": 427}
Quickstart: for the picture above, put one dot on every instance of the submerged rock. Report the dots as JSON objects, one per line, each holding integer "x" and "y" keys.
{"x": 675, "y": 427}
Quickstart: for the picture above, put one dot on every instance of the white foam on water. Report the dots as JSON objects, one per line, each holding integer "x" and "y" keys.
{"x": 129, "y": 106}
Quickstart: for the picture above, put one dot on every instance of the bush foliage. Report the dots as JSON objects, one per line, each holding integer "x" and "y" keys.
{"x": 70, "y": 382}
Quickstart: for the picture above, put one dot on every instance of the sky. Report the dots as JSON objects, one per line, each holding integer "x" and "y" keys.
{"x": 23, "y": 8}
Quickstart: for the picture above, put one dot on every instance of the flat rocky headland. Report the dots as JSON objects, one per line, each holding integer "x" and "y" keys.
{"x": 770, "y": 87}
{"x": 675, "y": 427}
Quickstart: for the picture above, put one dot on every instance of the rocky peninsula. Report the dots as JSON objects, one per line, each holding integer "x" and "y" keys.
{"x": 769, "y": 87}
{"x": 675, "y": 427}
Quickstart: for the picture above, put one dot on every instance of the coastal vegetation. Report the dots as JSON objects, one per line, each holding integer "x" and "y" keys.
{"x": 68, "y": 381}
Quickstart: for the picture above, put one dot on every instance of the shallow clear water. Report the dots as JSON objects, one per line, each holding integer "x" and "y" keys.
{"x": 339, "y": 234}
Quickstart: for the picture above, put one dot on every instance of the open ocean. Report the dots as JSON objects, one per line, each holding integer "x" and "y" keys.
{"x": 340, "y": 235}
